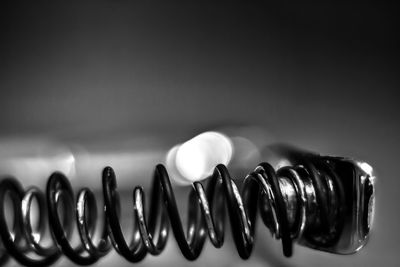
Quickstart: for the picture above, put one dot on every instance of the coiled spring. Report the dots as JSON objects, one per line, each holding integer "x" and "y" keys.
{"x": 303, "y": 201}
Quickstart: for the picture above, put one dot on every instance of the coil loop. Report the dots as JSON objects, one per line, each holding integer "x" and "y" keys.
{"x": 292, "y": 202}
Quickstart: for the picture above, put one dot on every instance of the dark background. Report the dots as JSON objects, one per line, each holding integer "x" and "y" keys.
{"x": 321, "y": 76}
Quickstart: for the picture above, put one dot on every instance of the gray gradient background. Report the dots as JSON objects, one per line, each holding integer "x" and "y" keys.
{"x": 324, "y": 77}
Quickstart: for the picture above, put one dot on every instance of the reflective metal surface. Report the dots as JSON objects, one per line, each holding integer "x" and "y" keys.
{"x": 358, "y": 182}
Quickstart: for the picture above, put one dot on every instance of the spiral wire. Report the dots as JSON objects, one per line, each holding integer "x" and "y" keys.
{"x": 260, "y": 191}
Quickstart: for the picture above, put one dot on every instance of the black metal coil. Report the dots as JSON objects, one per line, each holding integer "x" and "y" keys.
{"x": 260, "y": 190}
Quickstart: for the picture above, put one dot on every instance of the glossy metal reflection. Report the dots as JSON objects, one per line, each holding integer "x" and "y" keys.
{"x": 325, "y": 203}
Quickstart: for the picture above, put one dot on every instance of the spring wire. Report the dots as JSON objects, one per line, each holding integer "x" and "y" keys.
{"x": 206, "y": 215}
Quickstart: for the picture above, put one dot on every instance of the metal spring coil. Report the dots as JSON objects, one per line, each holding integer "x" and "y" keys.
{"x": 260, "y": 191}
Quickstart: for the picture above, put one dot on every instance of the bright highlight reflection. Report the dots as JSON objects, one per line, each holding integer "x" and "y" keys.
{"x": 195, "y": 159}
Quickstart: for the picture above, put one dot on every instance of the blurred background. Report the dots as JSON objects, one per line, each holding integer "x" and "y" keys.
{"x": 83, "y": 84}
